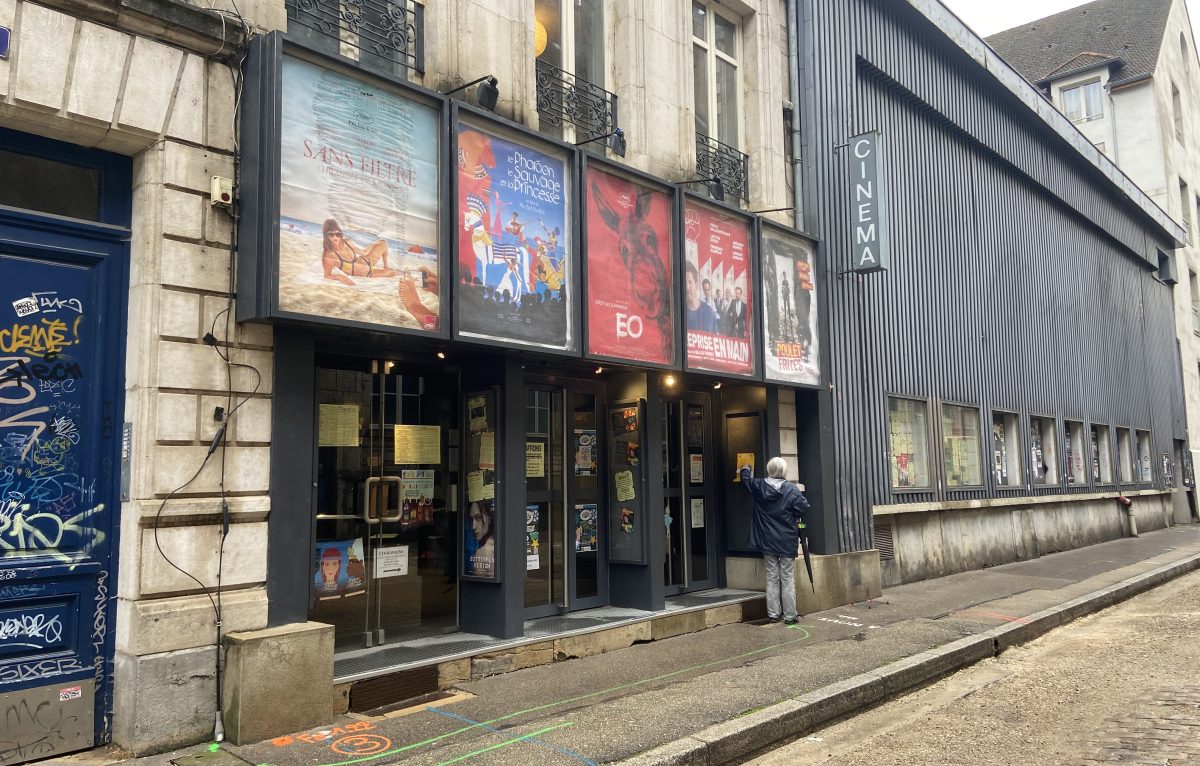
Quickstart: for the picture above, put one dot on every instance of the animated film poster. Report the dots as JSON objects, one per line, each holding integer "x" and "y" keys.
{"x": 790, "y": 309}
{"x": 717, "y": 279}
{"x": 514, "y": 261}
{"x": 358, "y": 205}
{"x": 629, "y": 285}
{"x": 340, "y": 569}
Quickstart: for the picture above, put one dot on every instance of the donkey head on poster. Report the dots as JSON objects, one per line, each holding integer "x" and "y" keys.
{"x": 638, "y": 247}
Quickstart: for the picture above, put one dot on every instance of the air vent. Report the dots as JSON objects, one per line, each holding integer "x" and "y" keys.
{"x": 883, "y": 542}
{"x": 375, "y": 693}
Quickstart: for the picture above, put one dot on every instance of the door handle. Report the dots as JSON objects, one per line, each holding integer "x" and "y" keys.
{"x": 366, "y": 504}
{"x": 399, "y": 507}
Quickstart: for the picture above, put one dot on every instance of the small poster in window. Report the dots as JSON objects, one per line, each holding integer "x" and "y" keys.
{"x": 627, "y": 514}
{"x": 696, "y": 469}
{"x": 697, "y": 508}
{"x": 624, "y": 483}
{"x": 337, "y": 425}
{"x": 533, "y": 543}
{"x": 391, "y": 561}
{"x": 535, "y": 460}
{"x": 419, "y": 445}
{"x": 340, "y": 570}
{"x": 416, "y": 484}
{"x": 477, "y": 413}
{"x": 586, "y": 534}
{"x": 474, "y": 486}
{"x": 744, "y": 459}
{"x": 624, "y": 421}
{"x": 585, "y": 452}
{"x": 487, "y": 450}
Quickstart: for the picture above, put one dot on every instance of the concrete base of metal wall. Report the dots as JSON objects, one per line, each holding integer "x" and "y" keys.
{"x": 277, "y": 680}
{"x": 942, "y": 539}
{"x": 840, "y": 579}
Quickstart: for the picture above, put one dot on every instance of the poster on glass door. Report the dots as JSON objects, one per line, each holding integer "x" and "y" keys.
{"x": 340, "y": 569}
{"x": 792, "y": 353}
{"x": 358, "y": 201}
{"x": 717, "y": 273}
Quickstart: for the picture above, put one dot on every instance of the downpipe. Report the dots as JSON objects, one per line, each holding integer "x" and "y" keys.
{"x": 1127, "y": 505}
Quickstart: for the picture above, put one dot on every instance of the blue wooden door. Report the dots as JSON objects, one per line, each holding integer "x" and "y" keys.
{"x": 62, "y": 318}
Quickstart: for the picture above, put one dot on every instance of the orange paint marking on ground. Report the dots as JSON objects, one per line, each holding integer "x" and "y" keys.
{"x": 361, "y": 744}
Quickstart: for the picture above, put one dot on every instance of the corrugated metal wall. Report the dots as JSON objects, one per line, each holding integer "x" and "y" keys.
{"x": 1020, "y": 279}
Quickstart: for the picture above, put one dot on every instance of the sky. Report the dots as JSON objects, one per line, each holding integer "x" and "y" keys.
{"x": 987, "y": 17}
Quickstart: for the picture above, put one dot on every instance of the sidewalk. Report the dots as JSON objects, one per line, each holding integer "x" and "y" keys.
{"x": 721, "y": 694}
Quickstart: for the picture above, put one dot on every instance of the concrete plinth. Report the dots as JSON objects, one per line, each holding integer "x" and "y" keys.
{"x": 277, "y": 680}
{"x": 840, "y": 579}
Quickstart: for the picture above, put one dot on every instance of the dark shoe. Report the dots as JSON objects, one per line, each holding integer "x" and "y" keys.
{"x": 791, "y": 621}
{"x": 773, "y": 619}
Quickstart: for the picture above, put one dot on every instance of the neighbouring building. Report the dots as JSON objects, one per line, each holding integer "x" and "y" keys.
{"x": 427, "y": 340}
{"x": 1127, "y": 75}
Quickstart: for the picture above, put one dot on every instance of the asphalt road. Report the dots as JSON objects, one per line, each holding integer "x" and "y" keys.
{"x": 1120, "y": 686}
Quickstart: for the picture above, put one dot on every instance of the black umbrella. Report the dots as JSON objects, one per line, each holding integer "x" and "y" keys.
{"x": 802, "y": 528}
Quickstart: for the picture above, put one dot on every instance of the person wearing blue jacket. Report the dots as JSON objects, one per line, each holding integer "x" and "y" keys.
{"x": 779, "y": 506}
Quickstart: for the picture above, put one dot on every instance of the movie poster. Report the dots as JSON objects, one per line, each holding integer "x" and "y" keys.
{"x": 340, "y": 569}
{"x": 717, "y": 280}
{"x": 630, "y": 300}
{"x": 790, "y": 309}
{"x": 515, "y": 280}
{"x": 358, "y": 205}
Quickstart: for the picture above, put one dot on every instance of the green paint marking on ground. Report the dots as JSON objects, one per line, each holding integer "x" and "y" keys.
{"x": 630, "y": 685}
{"x": 506, "y": 743}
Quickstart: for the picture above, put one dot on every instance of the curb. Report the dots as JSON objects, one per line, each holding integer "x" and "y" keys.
{"x": 732, "y": 740}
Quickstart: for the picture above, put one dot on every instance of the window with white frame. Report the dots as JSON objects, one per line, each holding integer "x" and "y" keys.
{"x": 1145, "y": 470}
{"x": 1124, "y": 455}
{"x": 716, "y": 40}
{"x": 1076, "y": 453}
{"x": 1083, "y": 102}
{"x": 1043, "y": 452}
{"x": 1006, "y": 449}
{"x": 1101, "y": 454}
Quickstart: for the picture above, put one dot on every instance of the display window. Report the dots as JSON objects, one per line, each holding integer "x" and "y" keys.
{"x": 908, "y": 443}
{"x": 1043, "y": 450}
{"x": 1145, "y": 471}
{"x": 1125, "y": 455}
{"x": 960, "y": 446}
{"x": 1006, "y": 449}
{"x": 1102, "y": 472}
{"x": 1076, "y": 454}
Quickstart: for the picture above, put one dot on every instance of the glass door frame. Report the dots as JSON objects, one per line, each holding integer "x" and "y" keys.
{"x": 705, "y": 490}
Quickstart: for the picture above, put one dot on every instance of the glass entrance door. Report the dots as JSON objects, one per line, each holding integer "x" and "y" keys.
{"x": 564, "y": 529}
{"x": 385, "y": 553}
{"x": 689, "y": 474}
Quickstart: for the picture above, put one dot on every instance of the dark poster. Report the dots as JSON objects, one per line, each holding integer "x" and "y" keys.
{"x": 790, "y": 309}
{"x": 717, "y": 281}
{"x": 515, "y": 280}
{"x": 629, "y": 284}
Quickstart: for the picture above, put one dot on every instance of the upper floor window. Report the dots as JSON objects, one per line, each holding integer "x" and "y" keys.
{"x": 569, "y": 48}
{"x": 1177, "y": 112}
{"x": 1083, "y": 102}
{"x": 715, "y": 39}
{"x": 1185, "y": 208}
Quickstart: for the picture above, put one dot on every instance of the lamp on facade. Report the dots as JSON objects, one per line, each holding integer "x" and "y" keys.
{"x": 616, "y": 141}
{"x": 716, "y": 189}
{"x": 487, "y": 95}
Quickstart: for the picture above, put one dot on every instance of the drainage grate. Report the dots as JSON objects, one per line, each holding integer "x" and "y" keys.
{"x": 384, "y": 691}
{"x": 883, "y": 542}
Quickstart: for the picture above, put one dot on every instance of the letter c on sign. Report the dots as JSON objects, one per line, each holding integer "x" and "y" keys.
{"x": 860, "y": 143}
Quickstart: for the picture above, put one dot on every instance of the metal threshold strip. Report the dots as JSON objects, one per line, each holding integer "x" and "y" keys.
{"x": 362, "y": 664}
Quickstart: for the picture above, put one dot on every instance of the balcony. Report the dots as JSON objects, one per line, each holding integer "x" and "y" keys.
{"x": 717, "y": 160}
{"x": 385, "y": 36}
{"x": 564, "y": 99}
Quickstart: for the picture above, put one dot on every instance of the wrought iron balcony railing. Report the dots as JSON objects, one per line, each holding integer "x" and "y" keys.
{"x": 717, "y": 160}
{"x": 564, "y": 98}
{"x": 383, "y": 35}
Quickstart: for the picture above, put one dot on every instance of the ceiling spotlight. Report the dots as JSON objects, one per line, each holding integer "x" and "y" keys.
{"x": 717, "y": 384}
{"x": 441, "y": 355}
{"x": 669, "y": 380}
{"x": 599, "y": 370}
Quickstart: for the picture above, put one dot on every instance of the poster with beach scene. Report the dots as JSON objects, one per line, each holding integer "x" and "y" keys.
{"x": 358, "y": 206}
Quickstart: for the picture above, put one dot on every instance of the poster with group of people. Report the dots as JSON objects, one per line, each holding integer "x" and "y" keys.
{"x": 358, "y": 204}
{"x": 515, "y": 277}
{"x": 718, "y": 274}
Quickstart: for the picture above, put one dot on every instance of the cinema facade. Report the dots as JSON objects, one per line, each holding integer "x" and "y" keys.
{"x": 513, "y": 377}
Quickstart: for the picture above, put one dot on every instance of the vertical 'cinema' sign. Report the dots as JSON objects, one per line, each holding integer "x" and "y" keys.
{"x": 718, "y": 280}
{"x": 630, "y": 298}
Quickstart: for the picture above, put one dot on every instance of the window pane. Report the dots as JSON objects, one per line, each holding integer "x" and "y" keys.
{"x": 1006, "y": 450}
{"x": 699, "y": 21}
{"x": 47, "y": 186}
{"x": 700, "y": 65}
{"x": 908, "y": 445}
{"x": 960, "y": 439}
{"x": 1043, "y": 438}
{"x": 589, "y": 41}
{"x": 1124, "y": 455}
{"x": 727, "y": 103}
{"x": 1101, "y": 455}
{"x": 1071, "y": 105}
{"x": 1093, "y": 105}
{"x": 726, "y": 35}
{"x": 548, "y": 13}
{"x": 1076, "y": 454}
{"x": 1144, "y": 471}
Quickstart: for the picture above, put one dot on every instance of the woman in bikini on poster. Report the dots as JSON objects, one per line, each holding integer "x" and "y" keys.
{"x": 340, "y": 253}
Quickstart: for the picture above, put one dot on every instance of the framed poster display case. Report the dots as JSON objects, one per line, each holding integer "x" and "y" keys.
{"x": 515, "y": 243}
{"x": 630, "y": 257}
{"x": 343, "y": 195}
{"x": 481, "y": 530}
{"x": 628, "y": 514}
{"x": 792, "y": 307}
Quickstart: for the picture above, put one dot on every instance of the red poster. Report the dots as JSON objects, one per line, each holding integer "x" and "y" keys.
{"x": 718, "y": 303}
{"x": 629, "y": 303}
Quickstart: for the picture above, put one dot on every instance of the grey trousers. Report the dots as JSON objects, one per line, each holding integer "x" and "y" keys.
{"x": 781, "y": 578}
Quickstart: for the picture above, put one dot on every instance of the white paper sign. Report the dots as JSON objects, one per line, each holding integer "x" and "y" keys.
{"x": 391, "y": 562}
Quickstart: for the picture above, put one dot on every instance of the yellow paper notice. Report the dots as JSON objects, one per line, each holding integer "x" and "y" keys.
{"x": 535, "y": 460}
{"x": 487, "y": 450}
{"x": 474, "y": 486}
{"x": 418, "y": 445}
{"x": 337, "y": 425}
{"x": 624, "y": 481}
{"x": 744, "y": 459}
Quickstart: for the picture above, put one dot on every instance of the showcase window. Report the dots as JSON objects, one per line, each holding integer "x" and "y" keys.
{"x": 1102, "y": 455}
{"x": 1144, "y": 470}
{"x": 908, "y": 443}
{"x": 1076, "y": 454}
{"x": 1006, "y": 449}
{"x": 960, "y": 442}
{"x": 1124, "y": 455}
{"x": 1043, "y": 453}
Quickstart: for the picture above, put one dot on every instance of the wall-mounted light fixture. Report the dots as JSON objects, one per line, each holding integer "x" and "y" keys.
{"x": 616, "y": 141}
{"x": 599, "y": 370}
{"x": 716, "y": 189}
{"x": 487, "y": 95}
{"x": 717, "y": 385}
{"x": 441, "y": 355}
{"x": 669, "y": 380}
